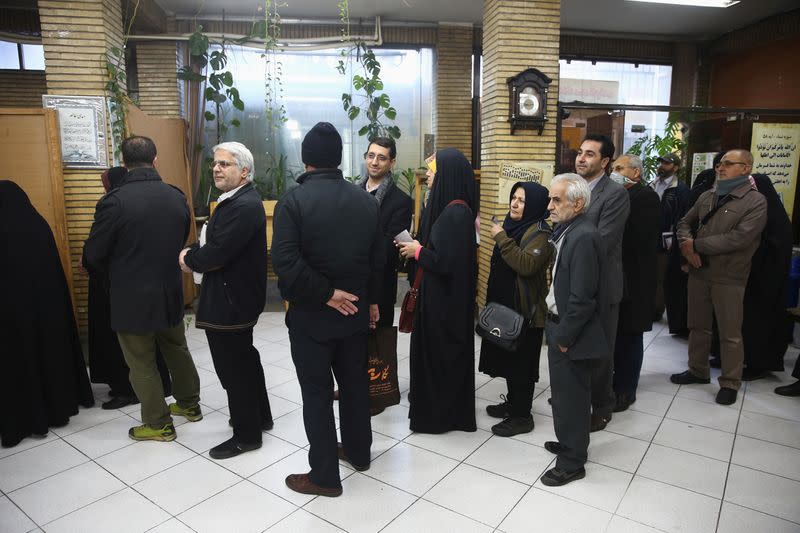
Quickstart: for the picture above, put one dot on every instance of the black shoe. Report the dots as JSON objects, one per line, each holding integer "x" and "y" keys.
{"x": 265, "y": 426}
{"x": 554, "y": 447}
{"x": 715, "y": 361}
{"x": 789, "y": 390}
{"x": 687, "y": 378}
{"x": 623, "y": 402}
{"x": 343, "y": 457}
{"x": 231, "y": 448}
{"x": 555, "y": 477}
{"x": 599, "y": 421}
{"x": 752, "y": 374}
{"x": 118, "y": 402}
{"x": 550, "y": 401}
{"x": 726, "y": 396}
{"x": 513, "y": 426}
{"x": 500, "y": 410}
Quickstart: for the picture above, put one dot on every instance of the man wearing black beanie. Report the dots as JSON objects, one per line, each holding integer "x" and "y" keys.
{"x": 327, "y": 253}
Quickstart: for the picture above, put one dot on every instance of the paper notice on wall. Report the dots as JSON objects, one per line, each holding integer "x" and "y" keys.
{"x": 513, "y": 172}
{"x": 775, "y": 153}
{"x": 589, "y": 91}
{"x": 701, "y": 162}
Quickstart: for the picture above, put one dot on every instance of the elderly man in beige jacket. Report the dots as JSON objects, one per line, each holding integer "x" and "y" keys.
{"x": 718, "y": 237}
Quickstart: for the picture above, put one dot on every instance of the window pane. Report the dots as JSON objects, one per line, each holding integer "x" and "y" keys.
{"x": 33, "y": 56}
{"x": 9, "y": 57}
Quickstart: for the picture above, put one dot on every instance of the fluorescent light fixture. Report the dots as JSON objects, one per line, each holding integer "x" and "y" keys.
{"x": 692, "y": 3}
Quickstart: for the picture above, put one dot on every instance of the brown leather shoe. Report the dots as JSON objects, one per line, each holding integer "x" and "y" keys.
{"x": 343, "y": 457}
{"x": 302, "y": 483}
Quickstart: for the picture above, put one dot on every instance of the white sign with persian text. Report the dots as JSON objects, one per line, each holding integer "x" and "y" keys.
{"x": 775, "y": 153}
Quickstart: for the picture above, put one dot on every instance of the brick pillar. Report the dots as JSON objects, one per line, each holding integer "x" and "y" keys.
{"x": 159, "y": 88}
{"x": 77, "y": 36}
{"x": 452, "y": 121}
{"x": 517, "y": 34}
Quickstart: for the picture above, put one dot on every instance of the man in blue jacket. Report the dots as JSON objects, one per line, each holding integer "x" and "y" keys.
{"x": 232, "y": 256}
{"x": 576, "y": 340}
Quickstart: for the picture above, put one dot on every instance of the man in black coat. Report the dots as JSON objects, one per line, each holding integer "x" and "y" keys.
{"x": 576, "y": 341}
{"x": 232, "y": 257}
{"x": 139, "y": 228}
{"x": 639, "y": 244}
{"x": 327, "y": 253}
{"x": 395, "y": 216}
{"x": 671, "y": 292}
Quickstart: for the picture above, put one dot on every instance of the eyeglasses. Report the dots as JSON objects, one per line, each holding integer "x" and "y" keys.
{"x": 222, "y": 163}
{"x": 729, "y": 164}
{"x": 380, "y": 157}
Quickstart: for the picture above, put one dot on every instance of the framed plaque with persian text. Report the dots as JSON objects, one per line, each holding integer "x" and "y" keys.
{"x": 83, "y": 129}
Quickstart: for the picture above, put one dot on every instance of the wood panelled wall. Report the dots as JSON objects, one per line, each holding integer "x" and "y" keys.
{"x": 452, "y": 117}
{"x": 22, "y": 88}
{"x": 517, "y": 34}
{"x": 76, "y": 35}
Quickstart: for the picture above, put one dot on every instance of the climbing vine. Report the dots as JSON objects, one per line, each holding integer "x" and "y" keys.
{"x": 116, "y": 87}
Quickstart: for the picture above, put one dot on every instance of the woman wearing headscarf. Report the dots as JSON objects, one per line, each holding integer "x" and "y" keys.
{"x": 442, "y": 394}
{"x": 42, "y": 372}
{"x": 518, "y": 279}
{"x": 106, "y": 362}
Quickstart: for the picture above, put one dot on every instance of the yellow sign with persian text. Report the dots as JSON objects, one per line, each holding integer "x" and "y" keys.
{"x": 775, "y": 153}
{"x": 513, "y": 172}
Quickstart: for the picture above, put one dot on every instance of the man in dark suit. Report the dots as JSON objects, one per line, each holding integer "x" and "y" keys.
{"x": 327, "y": 253}
{"x": 576, "y": 341}
{"x": 232, "y": 256}
{"x": 395, "y": 216}
{"x": 639, "y": 244}
{"x": 139, "y": 228}
{"x": 608, "y": 211}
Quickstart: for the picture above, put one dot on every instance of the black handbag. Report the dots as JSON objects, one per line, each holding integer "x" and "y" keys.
{"x": 500, "y": 325}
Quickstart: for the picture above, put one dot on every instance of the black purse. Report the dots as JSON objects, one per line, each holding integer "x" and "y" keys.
{"x": 500, "y": 325}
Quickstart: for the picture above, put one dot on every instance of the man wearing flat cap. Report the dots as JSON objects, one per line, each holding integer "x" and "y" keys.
{"x": 327, "y": 252}
{"x": 671, "y": 283}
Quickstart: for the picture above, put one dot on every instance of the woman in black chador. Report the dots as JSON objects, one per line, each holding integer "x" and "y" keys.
{"x": 106, "y": 362}
{"x": 42, "y": 373}
{"x": 518, "y": 279}
{"x": 442, "y": 394}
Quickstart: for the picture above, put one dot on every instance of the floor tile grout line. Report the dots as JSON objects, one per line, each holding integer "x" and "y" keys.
{"x": 730, "y": 461}
{"x": 794, "y": 522}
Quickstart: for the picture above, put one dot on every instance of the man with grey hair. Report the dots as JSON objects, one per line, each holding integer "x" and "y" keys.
{"x": 576, "y": 342}
{"x": 232, "y": 256}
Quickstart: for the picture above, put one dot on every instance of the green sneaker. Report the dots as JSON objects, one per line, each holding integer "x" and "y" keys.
{"x": 145, "y": 432}
{"x": 192, "y": 414}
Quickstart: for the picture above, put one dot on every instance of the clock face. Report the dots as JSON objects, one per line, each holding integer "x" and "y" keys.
{"x": 528, "y": 102}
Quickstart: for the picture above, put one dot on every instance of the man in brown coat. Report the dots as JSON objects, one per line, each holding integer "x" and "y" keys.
{"x": 718, "y": 237}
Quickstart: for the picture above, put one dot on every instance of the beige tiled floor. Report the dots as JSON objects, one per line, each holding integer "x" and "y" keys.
{"x": 675, "y": 462}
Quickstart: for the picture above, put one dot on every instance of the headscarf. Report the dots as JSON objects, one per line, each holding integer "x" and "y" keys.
{"x": 454, "y": 180}
{"x": 536, "y": 200}
{"x": 114, "y": 177}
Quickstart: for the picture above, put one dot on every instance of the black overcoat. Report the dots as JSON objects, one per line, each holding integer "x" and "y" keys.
{"x": 639, "y": 263}
{"x": 233, "y": 262}
{"x": 674, "y": 205}
{"x": 394, "y": 217}
{"x": 138, "y": 231}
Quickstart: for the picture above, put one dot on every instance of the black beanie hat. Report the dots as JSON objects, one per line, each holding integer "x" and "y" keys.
{"x": 322, "y": 146}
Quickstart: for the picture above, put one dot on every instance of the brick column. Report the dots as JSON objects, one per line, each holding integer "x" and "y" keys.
{"x": 159, "y": 88}
{"x": 77, "y": 36}
{"x": 452, "y": 121}
{"x": 517, "y": 34}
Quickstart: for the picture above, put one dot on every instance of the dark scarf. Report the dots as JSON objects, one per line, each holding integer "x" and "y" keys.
{"x": 562, "y": 228}
{"x": 113, "y": 177}
{"x": 725, "y": 187}
{"x": 536, "y": 201}
{"x": 454, "y": 180}
{"x": 383, "y": 189}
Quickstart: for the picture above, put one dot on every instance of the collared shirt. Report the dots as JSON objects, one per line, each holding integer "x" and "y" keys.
{"x": 594, "y": 182}
{"x": 660, "y": 186}
{"x": 226, "y": 195}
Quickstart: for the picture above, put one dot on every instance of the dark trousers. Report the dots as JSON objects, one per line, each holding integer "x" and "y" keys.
{"x": 628, "y": 355}
{"x": 661, "y": 273}
{"x": 796, "y": 371}
{"x": 603, "y": 398}
{"x": 314, "y": 360}
{"x": 239, "y": 369}
{"x": 570, "y": 384}
{"x": 523, "y": 373}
